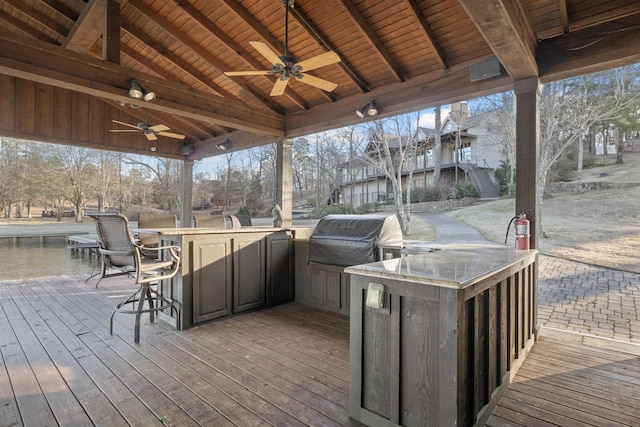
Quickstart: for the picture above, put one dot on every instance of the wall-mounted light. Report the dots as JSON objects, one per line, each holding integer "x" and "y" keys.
{"x": 223, "y": 145}
{"x": 138, "y": 92}
{"x": 368, "y": 110}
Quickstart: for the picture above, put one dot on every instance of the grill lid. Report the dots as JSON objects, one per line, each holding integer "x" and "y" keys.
{"x": 347, "y": 240}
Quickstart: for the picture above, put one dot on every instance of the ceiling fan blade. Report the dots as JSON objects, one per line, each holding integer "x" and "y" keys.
{"x": 151, "y": 136}
{"x": 124, "y": 130}
{"x": 171, "y": 135}
{"x": 125, "y": 124}
{"x": 158, "y": 128}
{"x": 319, "y": 61}
{"x": 266, "y": 52}
{"x": 247, "y": 73}
{"x": 279, "y": 87}
{"x": 317, "y": 82}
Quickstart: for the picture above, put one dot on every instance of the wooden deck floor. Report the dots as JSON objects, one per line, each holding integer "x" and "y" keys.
{"x": 283, "y": 366}
{"x": 563, "y": 383}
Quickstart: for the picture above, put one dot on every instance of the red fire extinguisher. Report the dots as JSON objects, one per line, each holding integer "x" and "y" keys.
{"x": 522, "y": 231}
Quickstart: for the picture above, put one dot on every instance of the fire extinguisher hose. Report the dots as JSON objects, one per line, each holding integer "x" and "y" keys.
{"x": 520, "y": 215}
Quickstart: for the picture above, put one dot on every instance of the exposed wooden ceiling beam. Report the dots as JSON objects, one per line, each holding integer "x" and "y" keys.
{"x": 169, "y": 28}
{"x": 62, "y": 9}
{"x": 438, "y": 87}
{"x": 564, "y": 15}
{"x": 240, "y": 13}
{"x": 381, "y": 52}
{"x": 42, "y": 19}
{"x": 25, "y": 29}
{"x": 238, "y": 141}
{"x": 175, "y": 60}
{"x": 38, "y": 61}
{"x": 507, "y": 30}
{"x": 87, "y": 29}
{"x": 344, "y": 63}
{"x": 111, "y": 34}
{"x": 609, "y": 45}
{"x": 427, "y": 32}
{"x": 628, "y": 10}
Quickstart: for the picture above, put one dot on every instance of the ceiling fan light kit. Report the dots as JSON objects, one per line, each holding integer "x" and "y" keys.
{"x": 286, "y": 66}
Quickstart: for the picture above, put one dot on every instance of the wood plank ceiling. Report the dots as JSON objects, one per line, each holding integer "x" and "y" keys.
{"x": 67, "y": 61}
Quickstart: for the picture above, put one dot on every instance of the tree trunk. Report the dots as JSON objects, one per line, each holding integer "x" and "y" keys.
{"x": 437, "y": 148}
{"x": 580, "y": 160}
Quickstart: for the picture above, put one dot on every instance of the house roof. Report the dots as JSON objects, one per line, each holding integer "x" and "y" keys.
{"x": 64, "y": 63}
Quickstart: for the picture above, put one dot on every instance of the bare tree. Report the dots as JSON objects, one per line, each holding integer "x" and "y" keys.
{"x": 437, "y": 149}
{"x": 167, "y": 174}
{"x": 391, "y": 150}
{"x": 76, "y": 175}
{"x": 503, "y": 109}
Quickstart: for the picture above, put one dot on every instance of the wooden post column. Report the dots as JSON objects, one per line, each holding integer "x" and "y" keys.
{"x": 284, "y": 184}
{"x": 527, "y": 92}
{"x": 187, "y": 190}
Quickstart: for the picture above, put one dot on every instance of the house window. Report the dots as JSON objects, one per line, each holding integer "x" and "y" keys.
{"x": 464, "y": 153}
{"x": 429, "y": 156}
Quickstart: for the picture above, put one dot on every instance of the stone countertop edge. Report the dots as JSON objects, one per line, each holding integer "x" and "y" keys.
{"x": 455, "y": 267}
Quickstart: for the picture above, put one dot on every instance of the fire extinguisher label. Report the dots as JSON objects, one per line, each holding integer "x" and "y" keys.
{"x": 522, "y": 229}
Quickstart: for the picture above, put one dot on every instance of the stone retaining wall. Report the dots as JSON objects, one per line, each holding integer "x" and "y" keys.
{"x": 573, "y": 187}
{"x": 433, "y": 207}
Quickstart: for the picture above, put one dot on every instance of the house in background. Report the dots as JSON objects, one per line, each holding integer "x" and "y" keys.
{"x": 481, "y": 148}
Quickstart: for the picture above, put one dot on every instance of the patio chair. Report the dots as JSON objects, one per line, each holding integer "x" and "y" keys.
{"x": 232, "y": 221}
{"x": 209, "y": 221}
{"x": 151, "y": 221}
{"x": 119, "y": 247}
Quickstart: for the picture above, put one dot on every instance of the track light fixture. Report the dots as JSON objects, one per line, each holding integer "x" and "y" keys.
{"x": 223, "y": 145}
{"x": 368, "y": 110}
{"x": 138, "y": 92}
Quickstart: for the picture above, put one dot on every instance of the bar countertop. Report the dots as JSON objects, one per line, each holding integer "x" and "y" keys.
{"x": 453, "y": 267}
{"x": 204, "y": 230}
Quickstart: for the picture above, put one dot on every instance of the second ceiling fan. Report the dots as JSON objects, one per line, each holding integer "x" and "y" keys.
{"x": 150, "y": 132}
{"x": 286, "y": 66}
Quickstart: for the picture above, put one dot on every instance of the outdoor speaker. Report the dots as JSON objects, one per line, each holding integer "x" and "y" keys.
{"x": 485, "y": 69}
{"x": 188, "y": 150}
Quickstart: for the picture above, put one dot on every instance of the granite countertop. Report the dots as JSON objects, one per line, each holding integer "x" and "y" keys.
{"x": 454, "y": 266}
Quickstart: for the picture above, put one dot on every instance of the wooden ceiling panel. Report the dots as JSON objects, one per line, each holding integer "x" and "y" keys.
{"x": 546, "y": 17}
{"x": 391, "y": 50}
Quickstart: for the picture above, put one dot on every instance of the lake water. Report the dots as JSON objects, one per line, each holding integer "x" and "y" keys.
{"x": 26, "y": 260}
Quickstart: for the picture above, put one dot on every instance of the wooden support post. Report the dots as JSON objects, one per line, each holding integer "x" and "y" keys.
{"x": 527, "y": 94}
{"x": 187, "y": 189}
{"x": 284, "y": 184}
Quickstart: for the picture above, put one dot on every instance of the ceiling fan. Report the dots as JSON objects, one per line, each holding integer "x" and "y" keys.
{"x": 286, "y": 66}
{"x": 149, "y": 131}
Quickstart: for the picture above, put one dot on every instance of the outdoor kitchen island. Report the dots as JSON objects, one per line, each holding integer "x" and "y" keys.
{"x": 228, "y": 271}
{"x": 436, "y": 337}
